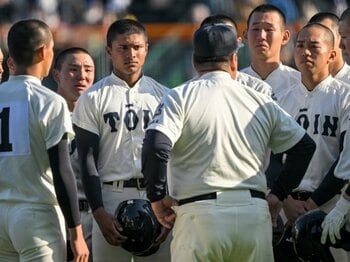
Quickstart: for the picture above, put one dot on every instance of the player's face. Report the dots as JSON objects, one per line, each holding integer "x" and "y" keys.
{"x": 266, "y": 35}
{"x": 313, "y": 52}
{"x": 76, "y": 75}
{"x": 344, "y": 31}
{"x": 128, "y": 53}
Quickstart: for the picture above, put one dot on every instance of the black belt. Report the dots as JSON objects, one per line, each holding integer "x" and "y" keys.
{"x": 253, "y": 193}
{"x": 83, "y": 205}
{"x": 301, "y": 195}
{"x": 138, "y": 183}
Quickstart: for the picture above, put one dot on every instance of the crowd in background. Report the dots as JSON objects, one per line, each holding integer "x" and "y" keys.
{"x": 83, "y": 23}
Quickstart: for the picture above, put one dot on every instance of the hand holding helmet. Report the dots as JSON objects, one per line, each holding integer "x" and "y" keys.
{"x": 139, "y": 225}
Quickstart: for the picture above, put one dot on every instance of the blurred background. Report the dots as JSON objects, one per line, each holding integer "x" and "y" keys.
{"x": 170, "y": 24}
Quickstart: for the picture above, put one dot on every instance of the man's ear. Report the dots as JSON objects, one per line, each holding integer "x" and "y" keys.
{"x": 332, "y": 56}
{"x": 285, "y": 37}
{"x": 108, "y": 50}
{"x": 245, "y": 35}
{"x": 55, "y": 74}
{"x": 39, "y": 54}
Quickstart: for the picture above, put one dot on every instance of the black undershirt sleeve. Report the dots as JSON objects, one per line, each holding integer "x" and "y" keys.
{"x": 64, "y": 182}
{"x": 155, "y": 154}
{"x": 293, "y": 170}
{"x": 330, "y": 185}
{"x": 88, "y": 150}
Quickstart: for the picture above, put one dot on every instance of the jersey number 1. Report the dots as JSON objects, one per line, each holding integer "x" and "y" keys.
{"x": 5, "y": 145}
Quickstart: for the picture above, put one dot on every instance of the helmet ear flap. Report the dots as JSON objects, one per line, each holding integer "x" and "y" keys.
{"x": 140, "y": 225}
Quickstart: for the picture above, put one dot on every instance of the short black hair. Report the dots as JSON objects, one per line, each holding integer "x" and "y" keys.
{"x": 218, "y": 18}
{"x": 63, "y": 54}
{"x": 328, "y": 31}
{"x": 125, "y": 26}
{"x": 319, "y": 17}
{"x": 24, "y": 39}
{"x": 266, "y": 8}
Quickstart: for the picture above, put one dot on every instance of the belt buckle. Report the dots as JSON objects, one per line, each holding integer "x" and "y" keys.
{"x": 139, "y": 184}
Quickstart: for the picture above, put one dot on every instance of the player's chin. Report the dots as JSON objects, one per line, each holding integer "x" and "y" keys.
{"x": 131, "y": 69}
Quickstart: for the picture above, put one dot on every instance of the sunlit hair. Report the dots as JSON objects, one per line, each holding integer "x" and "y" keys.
{"x": 329, "y": 34}
{"x": 25, "y": 38}
{"x": 267, "y": 8}
{"x": 217, "y": 19}
{"x": 125, "y": 26}
{"x": 60, "y": 58}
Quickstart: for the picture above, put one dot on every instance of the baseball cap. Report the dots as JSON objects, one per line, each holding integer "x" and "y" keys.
{"x": 214, "y": 42}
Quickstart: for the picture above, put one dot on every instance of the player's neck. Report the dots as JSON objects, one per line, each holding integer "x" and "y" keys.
{"x": 130, "y": 79}
{"x": 311, "y": 80}
{"x": 265, "y": 68}
{"x": 30, "y": 70}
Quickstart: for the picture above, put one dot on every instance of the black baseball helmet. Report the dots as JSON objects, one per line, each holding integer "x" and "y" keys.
{"x": 307, "y": 232}
{"x": 140, "y": 225}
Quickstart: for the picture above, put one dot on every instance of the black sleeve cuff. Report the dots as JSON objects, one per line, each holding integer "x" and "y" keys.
{"x": 155, "y": 154}
{"x": 297, "y": 162}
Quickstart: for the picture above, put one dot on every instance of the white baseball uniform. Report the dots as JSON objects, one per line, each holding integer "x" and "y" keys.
{"x": 119, "y": 115}
{"x": 255, "y": 83}
{"x": 32, "y": 119}
{"x": 281, "y": 79}
{"x": 324, "y": 113}
{"x": 344, "y": 74}
{"x": 216, "y": 151}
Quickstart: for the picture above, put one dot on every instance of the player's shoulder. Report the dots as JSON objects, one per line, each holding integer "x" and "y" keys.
{"x": 291, "y": 71}
{"x": 39, "y": 93}
{"x": 255, "y": 83}
{"x": 336, "y": 87}
{"x": 151, "y": 82}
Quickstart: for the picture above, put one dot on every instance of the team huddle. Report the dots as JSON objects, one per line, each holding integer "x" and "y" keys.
{"x": 232, "y": 165}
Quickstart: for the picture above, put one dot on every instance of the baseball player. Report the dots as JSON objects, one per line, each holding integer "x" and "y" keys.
{"x": 215, "y": 150}
{"x": 320, "y": 104}
{"x": 241, "y": 77}
{"x": 266, "y": 34}
{"x": 74, "y": 72}
{"x": 36, "y": 177}
{"x": 110, "y": 119}
{"x": 338, "y": 68}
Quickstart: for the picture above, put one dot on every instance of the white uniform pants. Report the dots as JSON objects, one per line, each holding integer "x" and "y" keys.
{"x": 104, "y": 252}
{"x": 233, "y": 227}
{"x": 31, "y": 232}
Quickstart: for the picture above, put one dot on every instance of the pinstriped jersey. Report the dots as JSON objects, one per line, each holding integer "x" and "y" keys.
{"x": 32, "y": 119}
{"x": 324, "y": 114}
{"x": 119, "y": 115}
{"x": 220, "y": 130}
